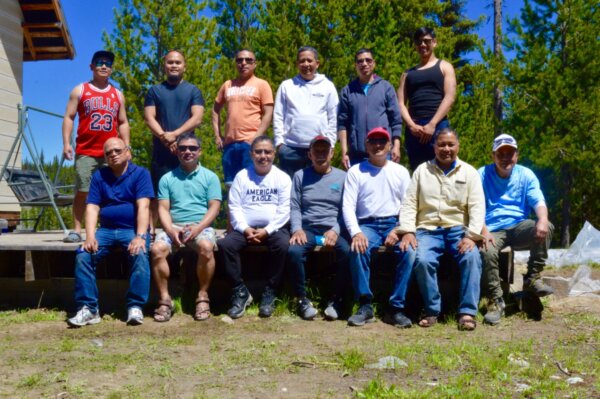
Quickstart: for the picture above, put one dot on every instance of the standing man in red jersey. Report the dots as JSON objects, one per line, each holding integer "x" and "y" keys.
{"x": 101, "y": 110}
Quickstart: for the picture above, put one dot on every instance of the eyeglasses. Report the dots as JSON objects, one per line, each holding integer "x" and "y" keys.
{"x": 184, "y": 148}
{"x": 367, "y": 61}
{"x": 99, "y": 63}
{"x": 266, "y": 152}
{"x": 116, "y": 151}
{"x": 427, "y": 42}
{"x": 247, "y": 59}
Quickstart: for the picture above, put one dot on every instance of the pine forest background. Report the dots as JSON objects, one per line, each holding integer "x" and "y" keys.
{"x": 548, "y": 89}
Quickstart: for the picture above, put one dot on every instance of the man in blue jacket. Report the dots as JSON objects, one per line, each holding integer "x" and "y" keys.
{"x": 365, "y": 103}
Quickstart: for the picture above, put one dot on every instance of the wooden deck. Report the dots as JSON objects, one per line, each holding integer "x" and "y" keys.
{"x": 39, "y": 241}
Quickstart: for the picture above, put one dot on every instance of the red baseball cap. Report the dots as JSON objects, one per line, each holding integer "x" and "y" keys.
{"x": 378, "y": 132}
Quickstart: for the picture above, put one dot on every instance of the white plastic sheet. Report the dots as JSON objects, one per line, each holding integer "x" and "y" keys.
{"x": 584, "y": 250}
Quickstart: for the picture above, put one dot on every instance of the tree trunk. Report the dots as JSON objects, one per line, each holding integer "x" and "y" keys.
{"x": 498, "y": 95}
{"x": 567, "y": 179}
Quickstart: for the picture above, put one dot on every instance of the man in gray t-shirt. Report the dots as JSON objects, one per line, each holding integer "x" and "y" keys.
{"x": 316, "y": 216}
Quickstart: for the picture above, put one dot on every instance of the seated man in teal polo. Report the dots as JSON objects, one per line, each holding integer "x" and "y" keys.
{"x": 189, "y": 199}
{"x": 120, "y": 197}
{"x": 511, "y": 192}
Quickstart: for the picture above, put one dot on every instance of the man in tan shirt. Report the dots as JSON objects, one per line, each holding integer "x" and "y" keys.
{"x": 444, "y": 211}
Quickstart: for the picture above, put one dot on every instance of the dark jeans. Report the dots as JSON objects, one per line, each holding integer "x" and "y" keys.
{"x": 417, "y": 152}
{"x": 292, "y": 159}
{"x": 234, "y": 242}
{"x": 297, "y": 258}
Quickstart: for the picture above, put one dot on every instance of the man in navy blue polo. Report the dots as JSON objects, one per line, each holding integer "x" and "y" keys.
{"x": 119, "y": 196}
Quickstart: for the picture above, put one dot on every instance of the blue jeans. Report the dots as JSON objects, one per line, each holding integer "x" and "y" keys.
{"x": 432, "y": 245}
{"x": 297, "y": 259}
{"x": 86, "y": 291}
{"x": 417, "y": 152}
{"x": 292, "y": 159}
{"x": 376, "y": 230}
{"x": 236, "y": 156}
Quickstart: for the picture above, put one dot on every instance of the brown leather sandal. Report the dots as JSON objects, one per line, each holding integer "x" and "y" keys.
{"x": 164, "y": 311}
{"x": 202, "y": 309}
{"x": 466, "y": 322}
{"x": 428, "y": 321}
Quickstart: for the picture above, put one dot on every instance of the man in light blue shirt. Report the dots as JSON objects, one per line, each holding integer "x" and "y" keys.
{"x": 511, "y": 192}
{"x": 189, "y": 199}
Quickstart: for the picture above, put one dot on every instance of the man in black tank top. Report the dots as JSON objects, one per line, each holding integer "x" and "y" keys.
{"x": 425, "y": 95}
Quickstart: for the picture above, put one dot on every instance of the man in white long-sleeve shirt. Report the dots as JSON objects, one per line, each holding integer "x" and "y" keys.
{"x": 305, "y": 107}
{"x": 373, "y": 194}
{"x": 259, "y": 209}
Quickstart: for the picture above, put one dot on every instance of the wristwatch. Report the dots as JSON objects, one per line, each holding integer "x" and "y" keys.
{"x": 142, "y": 236}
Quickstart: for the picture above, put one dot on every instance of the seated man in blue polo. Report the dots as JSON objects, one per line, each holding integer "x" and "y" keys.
{"x": 316, "y": 219}
{"x": 120, "y": 197}
{"x": 511, "y": 192}
{"x": 373, "y": 193}
{"x": 189, "y": 199}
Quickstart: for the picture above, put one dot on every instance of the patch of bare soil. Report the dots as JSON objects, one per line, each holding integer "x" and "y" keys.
{"x": 281, "y": 357}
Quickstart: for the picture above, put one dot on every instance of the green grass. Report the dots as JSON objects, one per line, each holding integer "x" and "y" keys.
{"x": 21, "y": 316}
{"x": 184, "y": 358}
{"x": 352, "y": 360}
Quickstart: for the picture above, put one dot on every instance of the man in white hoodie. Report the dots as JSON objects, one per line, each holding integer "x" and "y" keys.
{"x": 305, "y": 107}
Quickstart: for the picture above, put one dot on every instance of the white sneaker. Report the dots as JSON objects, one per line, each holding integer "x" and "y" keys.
{"x": 84, "y": 317}
{"x": 135, "y": 317}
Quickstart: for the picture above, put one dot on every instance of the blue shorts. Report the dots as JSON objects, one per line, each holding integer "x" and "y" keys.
{"x": 236, "y": 156}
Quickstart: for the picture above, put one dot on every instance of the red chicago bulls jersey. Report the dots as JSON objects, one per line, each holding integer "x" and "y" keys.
{"x": 98, "y": 111}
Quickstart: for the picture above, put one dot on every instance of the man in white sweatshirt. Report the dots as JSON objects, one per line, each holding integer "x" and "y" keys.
{"x": 259, "y": 209}
{"x": 305, "y": 107}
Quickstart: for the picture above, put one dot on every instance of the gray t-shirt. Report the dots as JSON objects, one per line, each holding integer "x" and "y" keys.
{"x": 317, "y": 199}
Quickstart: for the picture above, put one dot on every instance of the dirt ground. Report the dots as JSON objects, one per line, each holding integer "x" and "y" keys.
{"x": 285, "y": 357}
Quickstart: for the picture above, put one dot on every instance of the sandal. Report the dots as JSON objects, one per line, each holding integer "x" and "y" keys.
{"x": 466, "y": 322}
{"x": 202, "y": 309}
{"x": 164, "y": 311}
{"x": 428, "y": 321}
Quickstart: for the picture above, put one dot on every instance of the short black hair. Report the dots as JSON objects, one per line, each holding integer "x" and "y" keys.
{"x": 243, "y": 49}
{"x": 445, "y": 130}
{"x": 308, "y": 48}
{"x": 362, "y": 50}
{"x": 187, "y": 136}
{"x": 259, "y": 140}
{"x": 423, "y": 31}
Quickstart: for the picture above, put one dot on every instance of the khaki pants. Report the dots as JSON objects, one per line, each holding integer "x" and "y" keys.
{"x": 520, "y": 236}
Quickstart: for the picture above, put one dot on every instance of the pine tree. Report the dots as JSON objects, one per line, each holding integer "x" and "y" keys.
{"x": 553, "y": 102}
{"x": 145, "y": 30}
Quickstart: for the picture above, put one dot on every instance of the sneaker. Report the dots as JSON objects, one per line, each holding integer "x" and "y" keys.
{"x": 306, "y": 310}
{"x": 84, "y": 317}
{"x": 267, "y": 303}
{"x": 72, "y": 237}
{"x": 135, "y": 317}
{"x": 537, "y": 287}
{"x": 495, "y": 311}
{"x": 239, "y": 300}
{"x": 363, "y": 315}
{"x": 332, "y": 310}
{"x": 398, "y": 319}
